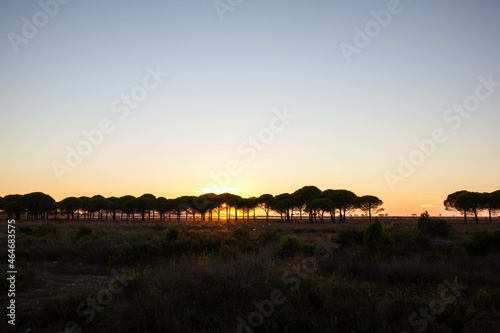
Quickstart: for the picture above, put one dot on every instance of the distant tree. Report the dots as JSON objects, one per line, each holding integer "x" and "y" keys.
{"x": 264, "y": 202}
{"x": 229, "y": 201}
{"x": 213, "y": 202}
{"x": 121, "y": 202}
{"x": 470, "y": 202}
{"x": 150, "y": 205}
{"x": 495, "y": 199}
{"x": 181, "y": 205}
{"x": 451, "y": 204}
{"x": 113, "y": 206}
{"x": 332, "y": 195}
{"x": 83, "y": 207}
{"x": 13, "y": 206}
{"x": 491, "y": 202}
{"x": 344, "y": 201}
{"x": 69, "y": 206}
{"x": 283, "y": 204}
{"x": 142, "y": 205}
{"x": 97, "y": 204}
{"x": 38, "y": 205}
{"x": 370, "y": 204}
{"x": 128, "y": 207}
{"x": 318, "y": 207}
{"x": 249, "y": 204}
{"x": 203, "y": 205}
{"x": 162, "y": 206}
{"x": 2, "y": 203}
{"x": 304, "y": 195}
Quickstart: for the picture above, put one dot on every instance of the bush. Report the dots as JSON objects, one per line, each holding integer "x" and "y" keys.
{"x": 349, "y": 237}
{"x": 241, "y": 234}
{"x": 172, "y": 234}
{"x": 46, "y": 229}
{"x": 495, "y": 239}
{"x": 374, "y": 236}
{"x": 26, "y": 230}
{"x": 82, "y": 232}
{"x": 290, "y": 246}
{"x": 479, "y": 244}
{"x": 438, "y": 228}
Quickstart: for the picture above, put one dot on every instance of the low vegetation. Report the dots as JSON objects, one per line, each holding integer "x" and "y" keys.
{"x": 261, "y": 277}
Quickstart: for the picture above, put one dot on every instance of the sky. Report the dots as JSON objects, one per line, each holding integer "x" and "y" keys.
{"x": 398, "y": 99}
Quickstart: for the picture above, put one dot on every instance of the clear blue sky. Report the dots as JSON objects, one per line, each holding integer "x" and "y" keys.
{"x": 352, "y": 120}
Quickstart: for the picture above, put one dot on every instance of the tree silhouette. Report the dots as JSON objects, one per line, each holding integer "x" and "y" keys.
{"x": 213, "y": 202}
{"x": 332, "y": 195}
{"x": 141, "y": 205}
{"x": 282, "y": 204}
{"x": 69, "y": 206}
{"x": 162, "y": 206}
{"x": 490, "y": 202}
{"x": 369, "y": 204}
{"x": 451, "y": 203}
{"x": 344, "y": 201}
{"x": 149, "y": 204}
{"x": 318, "y": 207}
{"x": 265, "y": 201}
{"x": 83, "y": 207}
{"x": 113, "y": 206}
{"x": 470, "y": 201}
{"x": 38, "y": 205}
{"x": 121, "y": 201}
{"x": 128, "y": 208}
{"x": 304, "y": 195}
{"x": 13, "y": 206}
{"x": 97, "y": 204}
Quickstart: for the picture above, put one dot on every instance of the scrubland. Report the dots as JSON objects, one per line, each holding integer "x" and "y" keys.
{"x": 392, "y": 276}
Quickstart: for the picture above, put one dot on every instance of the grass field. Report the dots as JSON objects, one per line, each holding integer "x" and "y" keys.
{"x": 80, "y": 276}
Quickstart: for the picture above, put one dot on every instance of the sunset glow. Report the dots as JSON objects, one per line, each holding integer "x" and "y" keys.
{"x": 167, "y": 99}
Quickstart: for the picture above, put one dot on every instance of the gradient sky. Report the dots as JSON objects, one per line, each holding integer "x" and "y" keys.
{"x": 352, "y": 120}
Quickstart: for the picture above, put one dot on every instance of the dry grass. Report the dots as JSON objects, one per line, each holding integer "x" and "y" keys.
{"x": 202, "y": 277}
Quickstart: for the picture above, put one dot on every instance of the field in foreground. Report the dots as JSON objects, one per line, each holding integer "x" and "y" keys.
{"x": 261, "y": 277}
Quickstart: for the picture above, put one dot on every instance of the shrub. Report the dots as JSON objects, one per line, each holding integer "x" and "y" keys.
{"x": 349, "y": 237}
{"x": 438, "y": 228}
{"x": 172, "y": 234}
{"x": 458, "y": 247}
{"x": 374, "y": 236}
{"x": 26, "y": 230}
{"x": 82, "y": 232}
{"x": 479, "y": 244}
{"x": 241, "y": 234}
{"x": 495, "y": 239}
{"x": 45, "y": 229}
{"x": 290, "y": 246}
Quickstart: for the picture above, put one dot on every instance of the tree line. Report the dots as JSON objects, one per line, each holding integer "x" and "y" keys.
{"x": 309, "y": 202}
{"x": 473, "y": 203}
